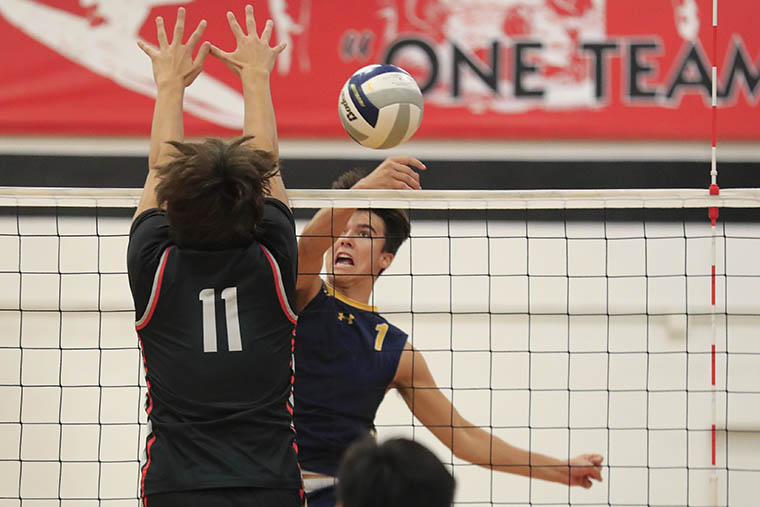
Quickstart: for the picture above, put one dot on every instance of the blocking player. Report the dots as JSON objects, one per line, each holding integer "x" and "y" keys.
{"x": 348, "y": 355}
{"x": 212, "y": 263}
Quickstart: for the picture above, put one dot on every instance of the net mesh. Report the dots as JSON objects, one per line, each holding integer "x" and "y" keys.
{"x": 562, "y": 322}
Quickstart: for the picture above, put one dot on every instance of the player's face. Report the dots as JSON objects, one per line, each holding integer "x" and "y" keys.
{"x": 359, "y": 250}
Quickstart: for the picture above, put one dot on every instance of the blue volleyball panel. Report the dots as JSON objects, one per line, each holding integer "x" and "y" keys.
{"x": 367, "y": 110}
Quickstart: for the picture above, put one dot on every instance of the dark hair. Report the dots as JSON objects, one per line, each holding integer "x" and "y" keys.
{"x": 398, "y": 473}
{"x": 214, "y": 192}
{"x": 397, "y": 225}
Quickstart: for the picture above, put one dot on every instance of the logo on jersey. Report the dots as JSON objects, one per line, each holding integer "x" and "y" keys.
{"x": 346, "y": 317}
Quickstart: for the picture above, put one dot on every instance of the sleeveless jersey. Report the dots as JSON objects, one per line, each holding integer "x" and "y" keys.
{"x": 216, "y": 332}
{"x": 346, "y": 356}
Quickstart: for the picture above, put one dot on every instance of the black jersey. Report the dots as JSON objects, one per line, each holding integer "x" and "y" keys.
{"x": 216, "y": 331}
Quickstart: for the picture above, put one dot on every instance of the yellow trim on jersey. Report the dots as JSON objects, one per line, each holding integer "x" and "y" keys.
{"x": 332, "y": 291}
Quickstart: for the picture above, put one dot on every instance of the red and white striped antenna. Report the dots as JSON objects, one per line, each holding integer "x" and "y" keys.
{"x": 713, "y": 215}
{"x": 714, "y": 190}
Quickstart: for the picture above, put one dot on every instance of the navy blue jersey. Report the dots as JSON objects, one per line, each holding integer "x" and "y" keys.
{"x": 216, "y": 331}
{"x": 346, "y": 357}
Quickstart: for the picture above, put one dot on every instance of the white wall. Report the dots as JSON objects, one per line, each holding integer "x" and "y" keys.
{"x": 547, "y": 351}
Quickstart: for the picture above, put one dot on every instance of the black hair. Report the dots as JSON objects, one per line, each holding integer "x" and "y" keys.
{"x": 398, "y": 473}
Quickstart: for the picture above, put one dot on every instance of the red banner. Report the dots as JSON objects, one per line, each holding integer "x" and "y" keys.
{"x": 490, "y": 69}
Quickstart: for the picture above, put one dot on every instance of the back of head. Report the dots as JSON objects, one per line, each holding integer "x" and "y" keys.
{"x": 397, "y": 225}
{"x": 398, "y": 473}
{"x": 214, "y": 192}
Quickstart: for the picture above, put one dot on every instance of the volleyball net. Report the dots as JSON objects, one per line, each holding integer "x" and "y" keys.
{"x": 565, "y": 322}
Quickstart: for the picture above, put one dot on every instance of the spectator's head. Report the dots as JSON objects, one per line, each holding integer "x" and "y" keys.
{"x": 397, "y": 473}
{"x": 214, "y": 192}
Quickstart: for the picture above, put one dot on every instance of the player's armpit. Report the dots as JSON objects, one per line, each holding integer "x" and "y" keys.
{"x": 306, "y": 290}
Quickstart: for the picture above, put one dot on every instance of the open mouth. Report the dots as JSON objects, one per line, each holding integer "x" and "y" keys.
{"x": 343, "y": 259}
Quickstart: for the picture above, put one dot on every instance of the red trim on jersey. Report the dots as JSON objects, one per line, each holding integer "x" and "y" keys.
{"x": 150, "y": 401}
{"x": 145, "y": 470}
{"x": 158, "y": 291}
{"x": 148, "y": 410}
{"x": 302, "y": 489}
{"x": 142, "y": 353}
{"x": 277, "y": 285}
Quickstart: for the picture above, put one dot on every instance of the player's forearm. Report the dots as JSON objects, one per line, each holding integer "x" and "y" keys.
{"x": 260, "y": 122}
{"x": 168, "y": 124}
{"x": 259, "y": 119}
{"x": 323, "y": 229}
{"x": 481, "y": 448}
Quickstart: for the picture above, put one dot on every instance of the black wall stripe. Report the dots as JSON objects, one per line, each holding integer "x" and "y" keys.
{"x": 129, "y": 172}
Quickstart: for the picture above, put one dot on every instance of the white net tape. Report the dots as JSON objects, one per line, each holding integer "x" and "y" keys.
{"x": 424, "y": 199}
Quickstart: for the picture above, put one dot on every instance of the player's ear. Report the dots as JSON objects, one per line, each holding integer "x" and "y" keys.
{"x": 385, "y": 260}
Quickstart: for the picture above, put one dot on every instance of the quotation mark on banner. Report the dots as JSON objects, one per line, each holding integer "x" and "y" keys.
{"x": 356, "y": 45}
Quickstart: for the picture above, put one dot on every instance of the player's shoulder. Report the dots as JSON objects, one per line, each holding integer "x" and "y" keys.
{"x": 153, "y": 217}
{"x": 334, "y": 294}
{"x": 149, "y": 237}
{"x": 392, "y": 328}
{"x": 372, "y": 317}
{"x": 275, "y": 209}
{"x": 329, "y": 295}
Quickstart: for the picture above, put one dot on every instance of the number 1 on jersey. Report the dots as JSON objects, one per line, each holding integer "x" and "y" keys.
{"x": 381, "y": 330}
{"x": 208, "y": 300}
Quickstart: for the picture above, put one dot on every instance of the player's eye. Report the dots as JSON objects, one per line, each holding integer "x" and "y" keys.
{"x": 364, "y": 234}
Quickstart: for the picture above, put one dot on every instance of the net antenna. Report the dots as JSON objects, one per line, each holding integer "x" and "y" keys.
{"x": 713, "y": 215}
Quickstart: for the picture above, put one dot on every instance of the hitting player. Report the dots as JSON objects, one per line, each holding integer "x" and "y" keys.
{"x": 348, "y": 355}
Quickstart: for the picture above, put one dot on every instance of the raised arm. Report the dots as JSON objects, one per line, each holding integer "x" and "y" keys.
{"x": 468, "y": 442}
{"x": 253, "y": 61}
{"x": 174, "y": 69}
{"x": 328, "y": 223}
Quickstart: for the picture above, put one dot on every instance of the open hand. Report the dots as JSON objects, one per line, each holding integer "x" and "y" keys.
{"x": 393, "y": 173}
{"x": 174, "y": 61}
{"x": 252, "y": 52}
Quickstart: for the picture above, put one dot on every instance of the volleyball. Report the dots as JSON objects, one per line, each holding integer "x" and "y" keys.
{"x": 380, "y": 106}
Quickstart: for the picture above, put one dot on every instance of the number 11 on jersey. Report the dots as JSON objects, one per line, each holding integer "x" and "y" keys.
{"x": 208, "y": 299}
